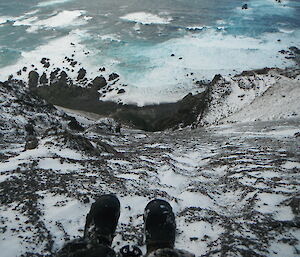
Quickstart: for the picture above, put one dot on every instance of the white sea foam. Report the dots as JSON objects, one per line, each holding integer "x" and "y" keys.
{"x": 62, "y": 19}
{"x": 168, "y": 78}
{"x": 54, "y": 2}
{"x": 146, "y": 18}
{"x": 110, "y": 37}
{"x": 196, "y": 27}
{"x": 5, "y": 19}
{"x": 64, "y": 46}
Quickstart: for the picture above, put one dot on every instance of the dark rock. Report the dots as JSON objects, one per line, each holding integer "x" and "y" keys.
{"x": 99, "y": 82}
{"x": 102, "y": 69}
{"x": 44, "y": 79}
{"x": 283, "y": 52}
{"x": 172, "y": 55}
{"x": 63, "y": 76}
{"x": 46, "y": 65}
{"x": 118, "y": 128}
{"x": 29, "y": 128}
{"x": 75, "y": 125}
{"x": 19, "y": 72}
{"x": 73, "y": 63}
{"x": 295, "y": 50}
{"x": 54, "y": 75}
{"x": 245, "y": 6}
{"x": 86, "y": 200}
{"x": 33, "y": 79}
{"x": 295, "y": 205}
{"x": 44, "y": 60}
{"x": 297, "y": 134}
{"x": 113, "y": 76}
{"x": 81, "y": 74}
{"x": 121, "y": 91}
{"x": 77, "y": 142}
{"x": 31, "y": 143}
{"x": 24, "y": 69}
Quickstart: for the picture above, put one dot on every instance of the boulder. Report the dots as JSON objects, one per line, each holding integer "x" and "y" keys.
{"x": 245, "y": 7}
{"x": 81, "y": 74}
{"x": 121, "y": 91}
{"x": 44, "y": 79}
{"x": 99, "y": 82}
{"x": 113, "y": 76}
{"x": 75, "y": 125}
{"x": 31, "y": 143}
{"x": 33, "y": 79}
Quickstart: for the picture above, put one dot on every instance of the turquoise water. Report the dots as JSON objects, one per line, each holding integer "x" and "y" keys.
{"x": 136, "y": 37}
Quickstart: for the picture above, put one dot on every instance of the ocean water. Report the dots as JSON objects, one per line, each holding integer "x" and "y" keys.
{"x": 136, "y": 39}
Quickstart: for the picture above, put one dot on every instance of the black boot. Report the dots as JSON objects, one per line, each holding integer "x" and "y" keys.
{"x": 102, "y": 220}
{"x": 160, "y": 226}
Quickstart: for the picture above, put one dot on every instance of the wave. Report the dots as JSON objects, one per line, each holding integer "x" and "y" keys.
{"x": 53, "y": 2}
{"x": 61, "y": 19}
{"x": 5, "y": 19}
{"x": 146, "y": 18}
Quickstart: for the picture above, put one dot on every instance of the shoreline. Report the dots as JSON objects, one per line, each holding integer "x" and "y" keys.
{"x": 191, "y": 110}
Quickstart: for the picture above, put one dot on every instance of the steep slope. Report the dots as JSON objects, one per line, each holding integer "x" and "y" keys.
{"x": 235, "y": 188}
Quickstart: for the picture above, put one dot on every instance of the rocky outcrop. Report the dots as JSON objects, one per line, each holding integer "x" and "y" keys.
{"x": 33, "y": 79}
{"x": 113, "y": 76}
{"x": 81, "y": 74}
{"x": 98, "y": 83}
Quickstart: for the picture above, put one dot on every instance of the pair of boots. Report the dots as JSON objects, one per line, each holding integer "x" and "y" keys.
{"x": 100, "y": 227}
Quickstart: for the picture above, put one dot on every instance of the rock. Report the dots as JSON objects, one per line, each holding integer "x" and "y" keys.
{"x": 43, "y": 79}
{"x": 19, "y": 72}
{"x": 295, "y": 205}
{"x": 77, "y": 142}
{"x": 33, "y": 79}
{"x": 118, "y": 128}
{"x": 54, "y": 75}
{"x": 113, "y": 76}
{"x": 121, "y": 91}
{"x": 63, "y": 76}
{"x": 73, "y": 63}
{"x": 245, "y": 7}
{"x": 295, "y": 49}
{"x": 24, "y": 69}
{"x": 283, "y": 52}
{"x": 31, "y": 143}
{"x": 172, "y": 55}
{"x": 75, "y": 125}
{"x": 99, "y": 82}
{"x": 102, "y": 69}
{"x": 29, "y": 128}
{"x": 45, "y": 62}
{"x": 86, "y": 200}
{"x": 81, "y": 74}
{"x": 297, "y": 134}
{"x": 46, "y": 65}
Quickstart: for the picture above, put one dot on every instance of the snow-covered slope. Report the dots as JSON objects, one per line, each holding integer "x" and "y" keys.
{"x": 234, "y": 188}
{"x": 253, "y": 96}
